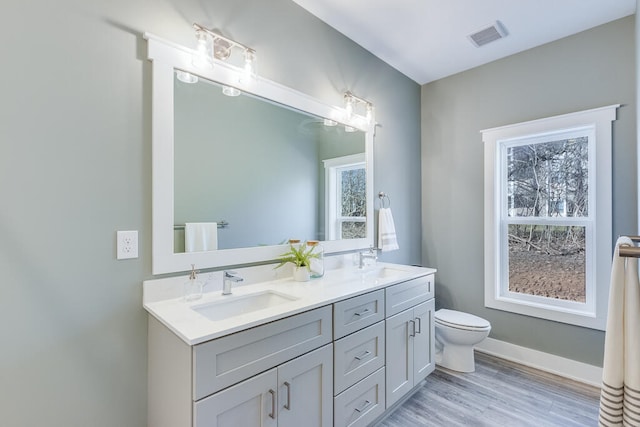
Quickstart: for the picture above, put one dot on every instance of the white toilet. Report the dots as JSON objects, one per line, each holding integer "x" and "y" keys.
{"x": 456, "y": 334}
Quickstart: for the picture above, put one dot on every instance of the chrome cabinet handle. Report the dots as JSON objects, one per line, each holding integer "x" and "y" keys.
{"x": 364, "y": 406}
{"x": 412, "y": 333}
{"x": 419, "y": 331}
{"x": 273, "y": 404}
{"x": 361, "y": 313}
{"x": 362, "y": 355}
{"x": 288, "y": 405}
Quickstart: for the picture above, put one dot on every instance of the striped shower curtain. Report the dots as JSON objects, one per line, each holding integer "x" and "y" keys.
{"x": 620, "y": 395}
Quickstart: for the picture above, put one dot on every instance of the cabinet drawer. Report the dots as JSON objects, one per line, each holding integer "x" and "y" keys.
{"x": 357, "y": 313}
{"x": 358, "y": 355}
{"x": 362, "y": 403}
{"x": 228, "y": 360}
{"x": 407, "y": 294}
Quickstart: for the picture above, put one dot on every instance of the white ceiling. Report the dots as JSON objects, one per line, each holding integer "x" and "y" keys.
{"x": 427, "y": 39}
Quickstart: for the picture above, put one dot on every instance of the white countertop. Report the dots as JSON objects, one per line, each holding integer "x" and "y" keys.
{"x": 194, "y": 328}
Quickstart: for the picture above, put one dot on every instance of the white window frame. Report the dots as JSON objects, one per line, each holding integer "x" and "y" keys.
{"x": 597, "y": 125}
{"x": 332, "y": 169}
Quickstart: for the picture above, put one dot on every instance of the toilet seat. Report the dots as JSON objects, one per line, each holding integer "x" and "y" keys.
{"x": 460, "y": 320}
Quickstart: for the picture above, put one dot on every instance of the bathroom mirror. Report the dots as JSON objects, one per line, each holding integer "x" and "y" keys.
{"x": 262, "y": 186}
{"x": 258, "y": 169}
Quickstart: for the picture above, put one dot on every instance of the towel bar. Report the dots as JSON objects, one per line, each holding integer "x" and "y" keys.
{"x": 630, "y": 251}
{"x": 221, "y": 224}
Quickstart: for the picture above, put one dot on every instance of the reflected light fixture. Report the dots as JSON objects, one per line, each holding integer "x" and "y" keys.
{"x": 329, "y": 122}
{"x": 211, "y": 45}
{"x": 230, "y": 91}
{"x": 185, "y": 77}
{"x": 352, "y": 104}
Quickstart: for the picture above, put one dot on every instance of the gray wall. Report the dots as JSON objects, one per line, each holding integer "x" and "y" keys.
{"x": 75, "y": 166}
{"x": 591, "y": 69}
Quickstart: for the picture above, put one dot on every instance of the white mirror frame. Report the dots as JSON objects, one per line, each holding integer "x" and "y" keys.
{"x": 166, "y": 57}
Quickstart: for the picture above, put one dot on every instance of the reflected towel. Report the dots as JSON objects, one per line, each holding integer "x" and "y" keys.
{"x": 620, "y": 394}
{"x": 200, "y": 236}
{"x": 387, "y": 239}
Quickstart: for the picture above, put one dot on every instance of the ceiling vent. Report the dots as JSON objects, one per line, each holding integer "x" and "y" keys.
{"x": 488, "y": 34}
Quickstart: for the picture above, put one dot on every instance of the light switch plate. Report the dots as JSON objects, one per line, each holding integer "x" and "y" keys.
{"x": 127, "y": 244}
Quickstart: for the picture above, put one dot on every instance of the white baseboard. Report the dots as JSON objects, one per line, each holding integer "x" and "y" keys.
{"x": 561, "y": 366}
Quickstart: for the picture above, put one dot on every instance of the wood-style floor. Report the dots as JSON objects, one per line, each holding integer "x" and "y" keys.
{"x": 500, "y": 393}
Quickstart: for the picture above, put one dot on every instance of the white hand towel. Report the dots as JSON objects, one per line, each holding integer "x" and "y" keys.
{"x": 387, "y": 239}
{"x": 200, "y": 236}
{"x": 620, "y": 393}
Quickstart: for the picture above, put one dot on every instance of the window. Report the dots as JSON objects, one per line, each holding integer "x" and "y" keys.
{"x": 345, "y": 180}
{"x": 548, "y": 239}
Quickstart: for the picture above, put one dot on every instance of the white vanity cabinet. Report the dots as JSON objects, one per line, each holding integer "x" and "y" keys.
{"x": 410, "y": 332}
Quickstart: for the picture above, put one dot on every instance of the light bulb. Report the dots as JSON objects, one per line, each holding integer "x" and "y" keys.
{"x": 349, "y": 107}
{"x": 230, "y": 91}
{"x": 369, "y": 115}
{"x": 201, "y": 58}
{"x": 248, "y": 74}
{"x": 185, "y": 77}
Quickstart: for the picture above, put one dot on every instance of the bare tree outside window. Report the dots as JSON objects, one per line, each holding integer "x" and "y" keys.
{"x": 547, "y": 181}
{"x": 353, "y": 203}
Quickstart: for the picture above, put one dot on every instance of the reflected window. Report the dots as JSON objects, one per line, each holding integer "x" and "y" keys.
{"x": 346, "y": 214}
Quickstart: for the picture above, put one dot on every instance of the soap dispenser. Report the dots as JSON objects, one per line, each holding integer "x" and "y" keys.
{"x": 193, "y": 286}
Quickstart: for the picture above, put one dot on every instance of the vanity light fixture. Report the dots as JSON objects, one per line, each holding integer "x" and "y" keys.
{"x": 211, "y": 45}
{"x": 352, "y": 103}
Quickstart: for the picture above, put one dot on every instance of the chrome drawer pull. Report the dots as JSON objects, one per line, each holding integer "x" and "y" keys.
{"x": 362, "y": 355}
{"x": 419, "y": 325}
{"x": 273, "y": 404}
{"x": 364, "y": 406}
{"x": 362, "y": 313}
{"x": 412, "y": 333}
{"x": 288, "y": 405}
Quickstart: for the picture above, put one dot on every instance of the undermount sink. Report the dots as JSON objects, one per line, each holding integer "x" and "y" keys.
{"x": 382, "y": 273}
{"x": 232, "y": 305}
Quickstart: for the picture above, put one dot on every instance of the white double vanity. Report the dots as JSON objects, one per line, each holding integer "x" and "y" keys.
{"x": 336, "y": 351}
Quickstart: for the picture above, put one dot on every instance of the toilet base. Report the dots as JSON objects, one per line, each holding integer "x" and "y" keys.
{"x": 457, "y": 358}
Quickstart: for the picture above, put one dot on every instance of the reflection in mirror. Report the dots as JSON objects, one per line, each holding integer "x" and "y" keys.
{"x": 269, "y": 172}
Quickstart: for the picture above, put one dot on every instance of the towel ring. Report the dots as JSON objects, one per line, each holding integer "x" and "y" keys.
{"x": 384, "y": 197}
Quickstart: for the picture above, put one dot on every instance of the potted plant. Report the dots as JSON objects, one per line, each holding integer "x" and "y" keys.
{"x": 300, "y": 255}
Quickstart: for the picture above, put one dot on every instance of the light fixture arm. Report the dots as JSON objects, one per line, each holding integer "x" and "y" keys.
{"x": 214, "y": 35}
{"x": 350, "y": 95}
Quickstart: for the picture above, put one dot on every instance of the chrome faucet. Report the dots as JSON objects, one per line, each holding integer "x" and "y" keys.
{"x": 227, "y": 279}
{"x": 371, "y": 255}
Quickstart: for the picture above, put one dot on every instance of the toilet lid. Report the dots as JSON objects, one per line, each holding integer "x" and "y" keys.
{"x": 459, "y": 319}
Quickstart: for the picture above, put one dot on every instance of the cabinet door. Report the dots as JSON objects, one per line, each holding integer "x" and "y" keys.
{"x": 249, "y": 403}
{"x": 423, "y": 344}
{"x": 399, "y": 367}
{"x": 305, "y": 390}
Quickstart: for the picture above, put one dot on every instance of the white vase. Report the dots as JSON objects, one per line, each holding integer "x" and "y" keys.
{"x": 300, "y": 274}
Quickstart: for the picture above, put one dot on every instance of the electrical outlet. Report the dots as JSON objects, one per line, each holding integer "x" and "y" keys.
{"x": 127, "y": 244}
